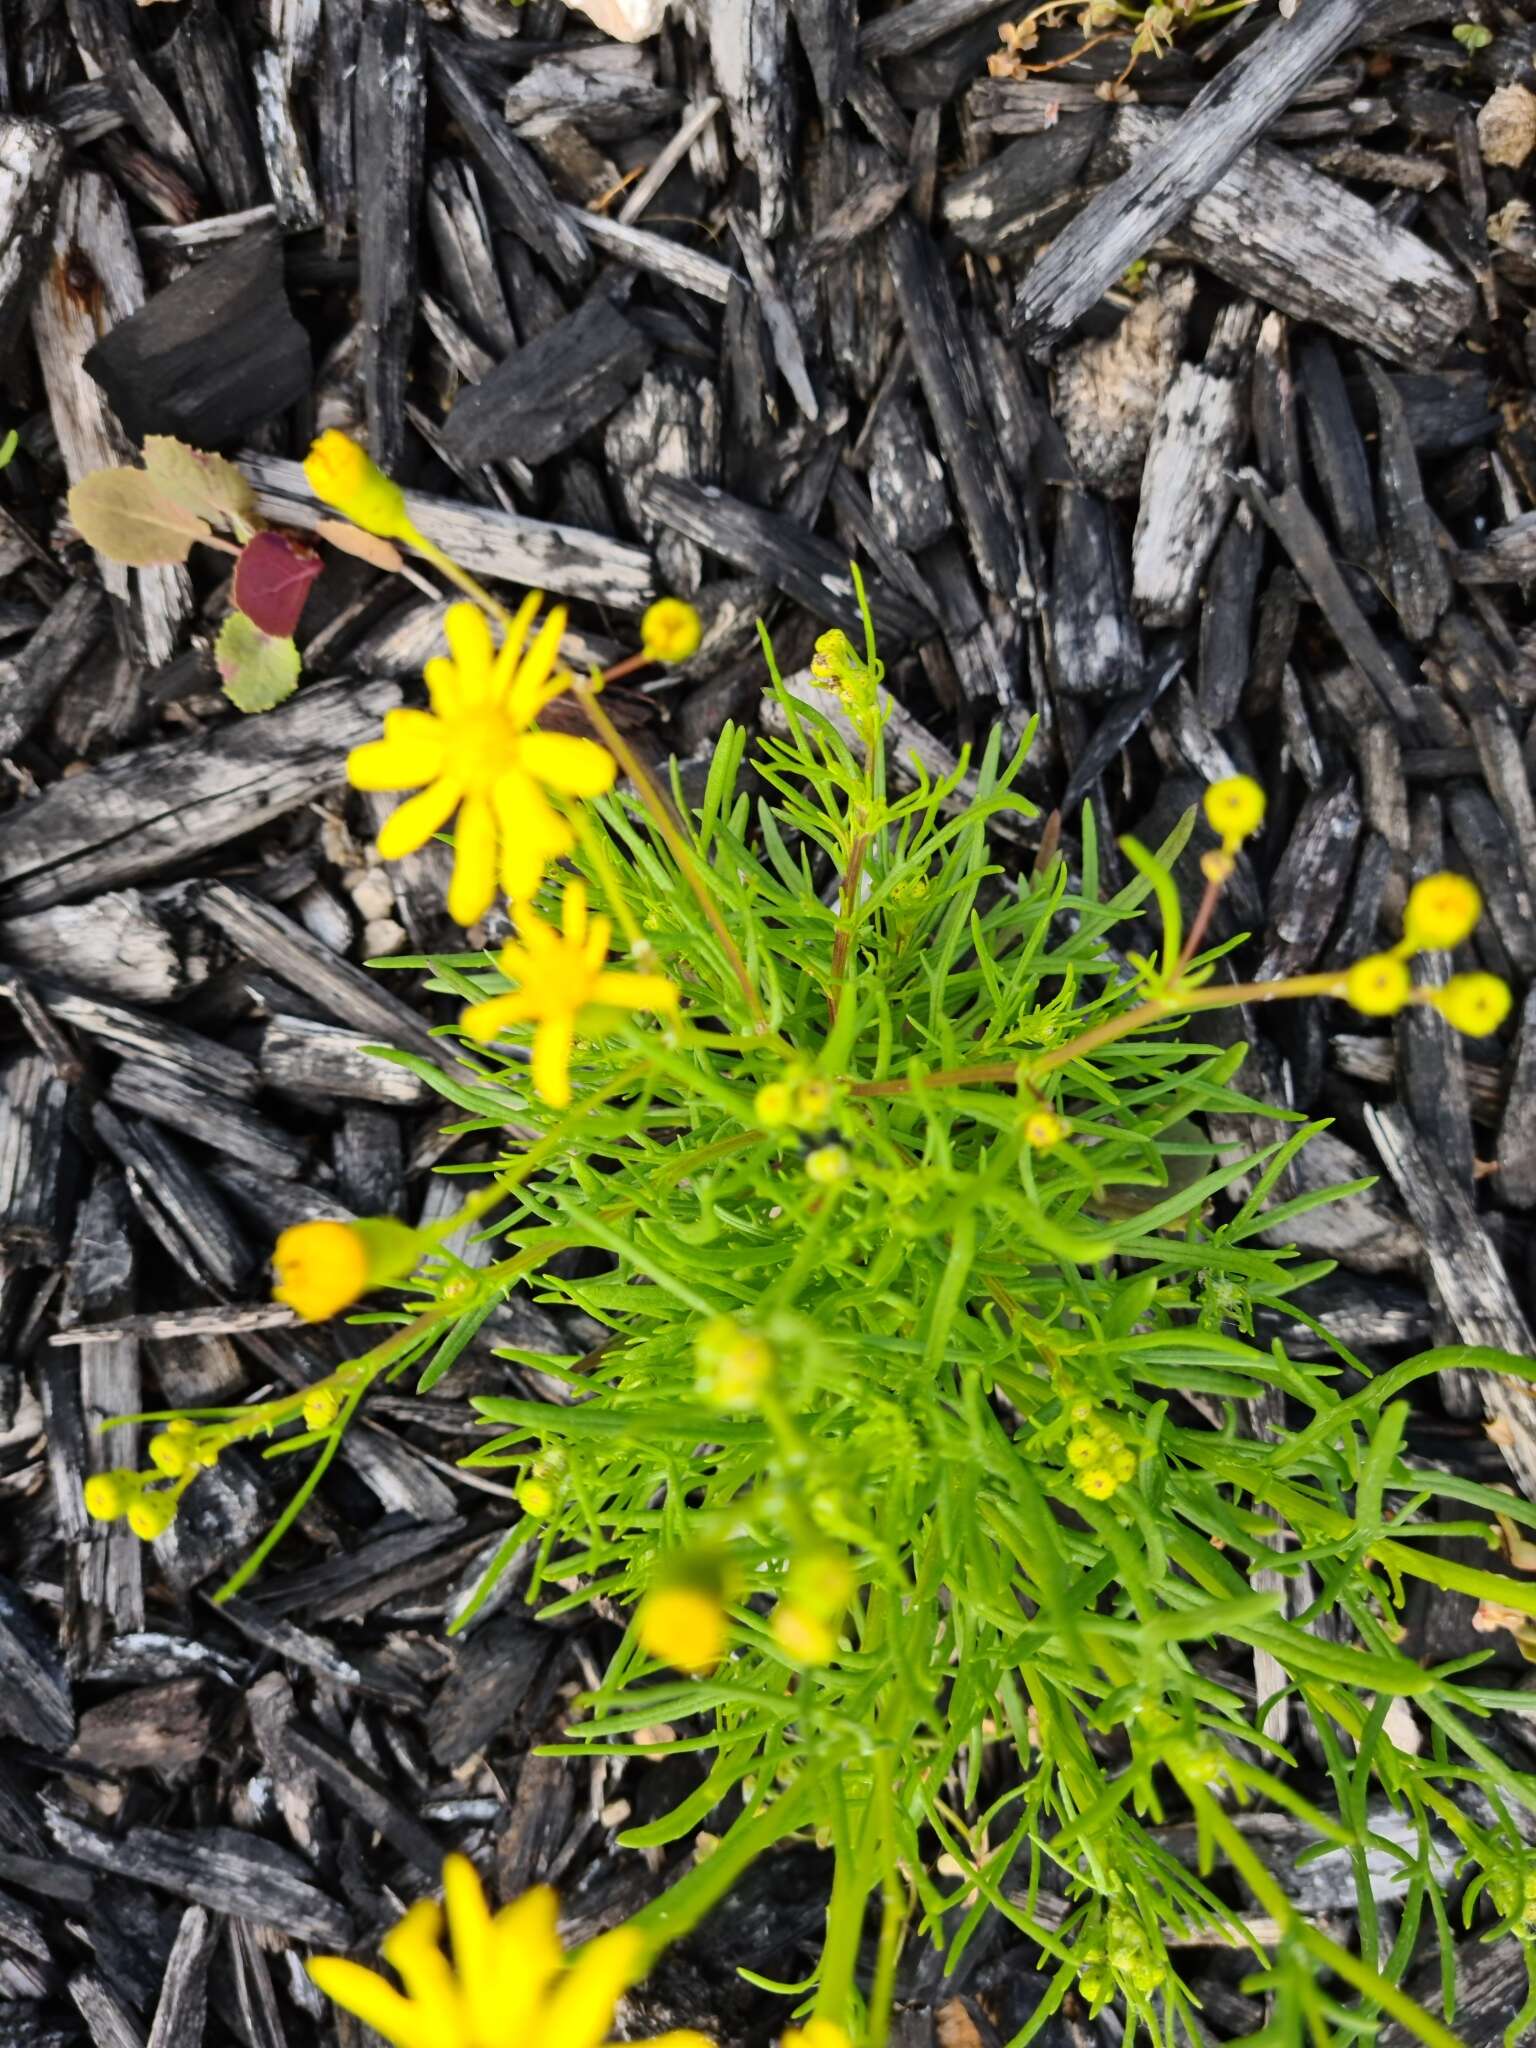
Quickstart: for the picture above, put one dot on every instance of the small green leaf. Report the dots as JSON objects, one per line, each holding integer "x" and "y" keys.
{"x": 128, "y": 517}
{"x": 205, "y": 485}
{"x": 258, "y": 670}
{"x": 8, "y": 447}
{"x": 1472, "y": 35}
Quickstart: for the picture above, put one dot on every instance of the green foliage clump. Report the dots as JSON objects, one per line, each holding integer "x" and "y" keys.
{"x": 930, "y": 1360}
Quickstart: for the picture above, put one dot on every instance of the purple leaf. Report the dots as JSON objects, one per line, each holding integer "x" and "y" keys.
{"x": 272, "y": 579}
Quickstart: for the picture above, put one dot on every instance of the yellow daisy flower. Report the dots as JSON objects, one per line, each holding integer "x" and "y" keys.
{"x": 508, "y": 1984}
{"x": 559, "y": 975}
{"x": 475, "y": 752}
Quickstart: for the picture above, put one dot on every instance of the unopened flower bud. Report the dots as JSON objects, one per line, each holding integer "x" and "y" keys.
{"x": 345, "y": 475}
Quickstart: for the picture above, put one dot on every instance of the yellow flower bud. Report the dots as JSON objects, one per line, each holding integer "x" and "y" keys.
{"x": 683, "y": 1626}
{"x": 827, "y": 1165}
{"x": 1378, "y": 986}
{"x": 170, "y": 1452}
{"x": 801, "y": 1635}
{"x": 820, "y": 1582}
{"x": 1473, "y": 1004}
{"x": 1122, "y": 1465}
{"x": 1082, "y": 1451}
{"x": 813, "y": 1102}
{"x": 321, "y": 1408}
{"x": 344, "y": 475}
{"x": 322, "y": 1268}
{"x": 536, "y": 1496}
{"x": 1441, "y": 912}
{"x": 734, "y": 1365}
{"x": 110, "y": 1494}
{"x": 671, "y": 630}
{"x": 1234, "y": 810}
{"x": 1098, "y": 1482}
{"x": 774, "y": 1105}
{"x": 1043, "y": 1128}
{"x": 152, "y": 1514}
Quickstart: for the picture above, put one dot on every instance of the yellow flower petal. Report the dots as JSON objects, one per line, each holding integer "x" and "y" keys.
{"x": 575, "y": 767}
{"x": 579, "y": 2014}
{"x": 552, "y": 1060}
{"x": 468, "y": 633}
{"x": 469, "y": 1931}
{"x": 512, "y": 647}
{"x": 442, "y": 681}
{"x": 525, "y": 1959}
{"x": 473, "y": 888}
{"x": 367, "y": 1995}
{"x": 684, "y": 2038}
{"x": 528, "y": 696}
{"x": 413, "y": 823}
{"x": 410, "y": 753}
{"x": 635, "y": 991}
{"x": 412, "y": 1950}
{"x": 573, "y": 912}
{"x": 487, "y": 1020}
{"x": 532, "y": 831}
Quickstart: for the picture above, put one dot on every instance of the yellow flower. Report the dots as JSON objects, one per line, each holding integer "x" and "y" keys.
{"x": 322, "y": 1268}
{"x": 475, "y": 753}
{"x": 1474, "y": 1004}
{"x": 1378, "y": 986}
{"x": 1098, "y": 1482}
{"x": 536, "y": 1496}
{"x": 671, "y": 630}
{"x": 1234, "y": 809}
{"x": 801, "y": 1635}
{"x": 342, "y": 474}
{"x": 170, "y": 1450}
{"x": 508, "y": 1985}
{"x": 817, "y": 2034}
{"x": 152, "y": 1513}
{"x": 774, "y": 1105}
{"x": 1441, "y": 912}
{"x": 1043, "y": 1128}
{"x": 827, "y": 1165}
{"x": 734, "y": 1365}
{"x": 1082, "y": 1451}
{"x": 682, "y": 1626}
{"x": 110, "y": 1494}
{"x": 559, "y": 975}
{"x": 321, "y": 1409}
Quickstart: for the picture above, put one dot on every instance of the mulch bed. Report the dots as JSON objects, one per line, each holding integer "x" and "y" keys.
{"x": 712, "y": 316}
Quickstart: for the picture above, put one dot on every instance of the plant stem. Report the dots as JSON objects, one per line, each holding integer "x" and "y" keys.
{"x": 470, "y": 585}
{"x": 667, "y": 825}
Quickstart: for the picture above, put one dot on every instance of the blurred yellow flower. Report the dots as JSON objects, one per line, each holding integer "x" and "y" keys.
{"x": 1043, "y": 1128}
{"x": 817, "y": 2034}
{"x": 1378, "y": 986}
{"x": 559, "y": 975}
{"x": 802, "y": 1636}
{"x": 671, "y": 630}
{"x": 683, "y": 1626}
{"x": 344, "y": 475}
{"x": 475, "y": 753}
{"x": 1234, "y": 808}
{"x": 508, "y": 1985}
{"x": 1473, "y": 1004}
{"x": 322, "y": 1268}
{"x": 1442, "y": 911}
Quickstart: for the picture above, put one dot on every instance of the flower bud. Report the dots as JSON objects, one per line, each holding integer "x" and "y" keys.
{"x": 802, "y": 1636}
{"x": 1473, "y": 1004}
{"x": 1043, "y": 1128}
{"x": 152, "y": 1514}
{"x": 774, "y": 1105}
{"x": 322, "y": 1268}
{"x": 170, "y": 1452}
{"x": 827, "y": 1165}
{"x": 1234, "y": 810}
{"x": 321, "y": 1408}
{"x": 671, "y": 630}
{"x": 1442, "y": 911}
{"x": 109, "y": 1494}
{"x": 344, "y": 475}
{"x": 536, "y": 1495}
{"x": 1378, "y": 986}
{"x": 734, "y": 1365}
{"x": 683, "y": 1626}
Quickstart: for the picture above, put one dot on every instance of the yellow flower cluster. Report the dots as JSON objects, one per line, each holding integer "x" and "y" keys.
{"x": 508, "y": 1982}
{"x": 1442, "y": 912}
{"x": 1123, "y": 1958}
{"x": 1101, "y": 1460}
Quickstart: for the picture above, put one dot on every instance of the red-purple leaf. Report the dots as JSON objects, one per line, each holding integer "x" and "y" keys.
{"x": 272, "y": 579}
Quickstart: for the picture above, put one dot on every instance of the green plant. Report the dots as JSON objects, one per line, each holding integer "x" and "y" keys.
{"x": 919, "y": 1444}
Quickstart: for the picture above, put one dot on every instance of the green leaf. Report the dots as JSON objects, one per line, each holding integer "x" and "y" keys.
{"x": 128, "y": 517}
{"x": 205, "y": 486}
{"x": 258, "y": 671}
{"x": 8, "y": 447}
